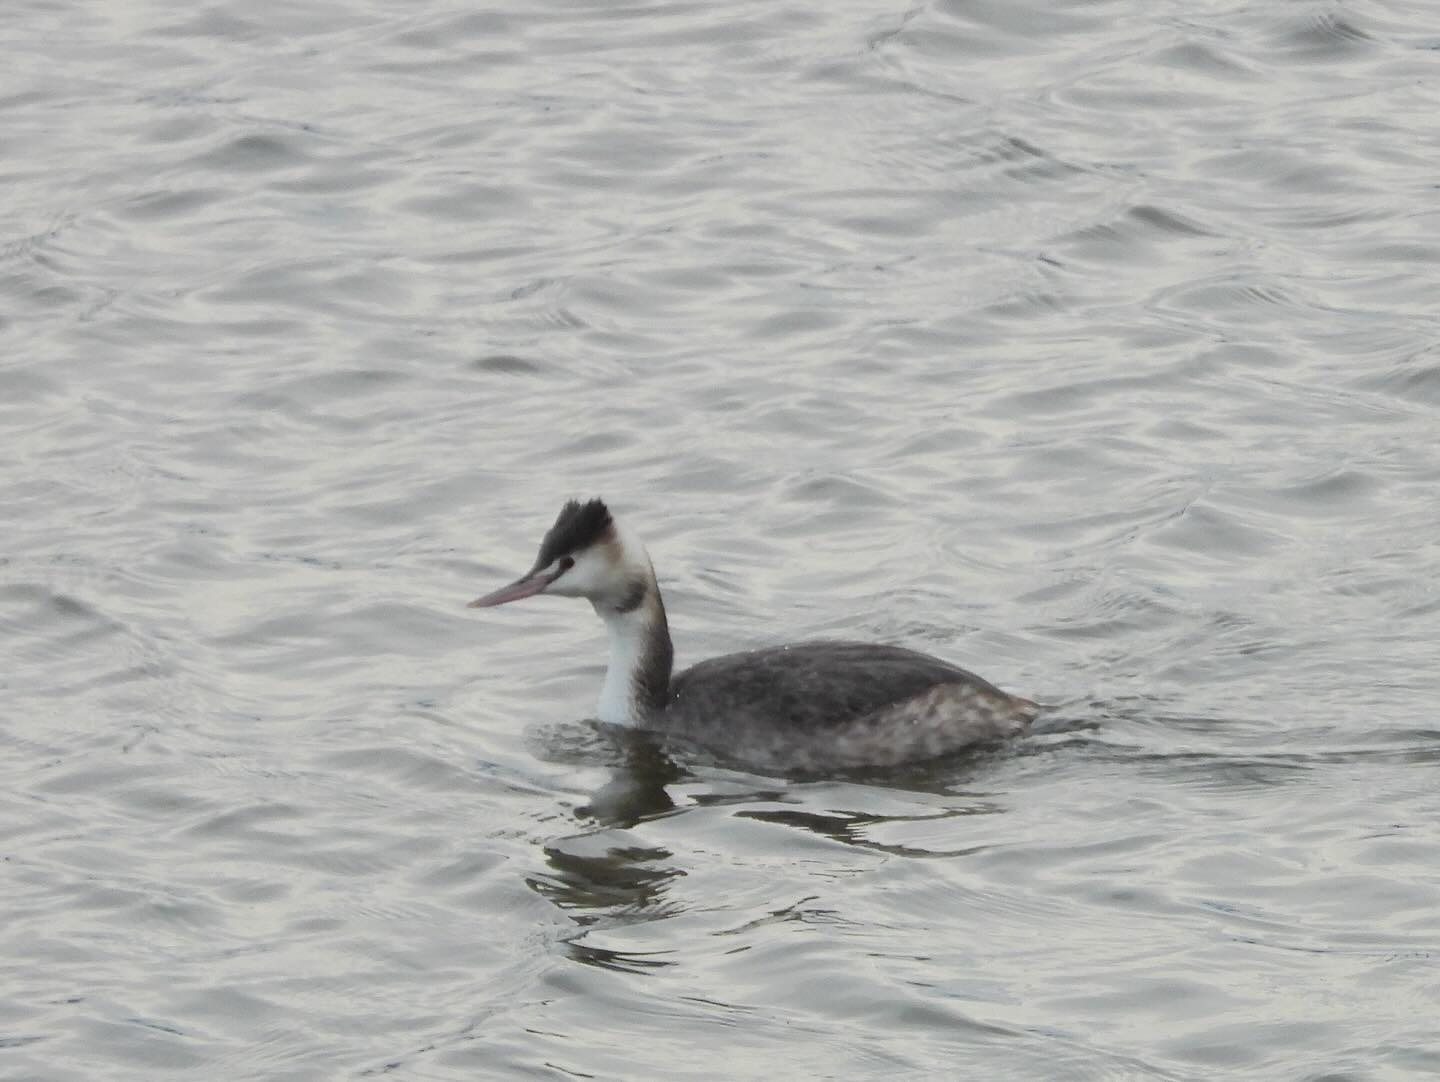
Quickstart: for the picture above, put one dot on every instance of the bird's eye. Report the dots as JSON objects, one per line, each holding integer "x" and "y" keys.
{"x": 566, "y": 563}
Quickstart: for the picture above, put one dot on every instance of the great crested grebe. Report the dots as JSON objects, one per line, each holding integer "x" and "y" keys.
{"x": 803, "y": 707}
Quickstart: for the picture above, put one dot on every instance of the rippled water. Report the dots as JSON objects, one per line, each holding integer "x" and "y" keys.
{"x": 1092, "y": 346}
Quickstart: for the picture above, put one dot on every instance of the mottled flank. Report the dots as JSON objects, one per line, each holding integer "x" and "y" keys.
{"x": 577, "y": 527}
{"x": 820, "y": 706}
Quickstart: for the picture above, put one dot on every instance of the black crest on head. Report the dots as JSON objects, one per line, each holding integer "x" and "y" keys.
{"x": 577, "y": 527}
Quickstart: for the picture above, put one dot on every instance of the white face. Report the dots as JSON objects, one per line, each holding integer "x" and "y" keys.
{"x": 605, "y": 574}
{"x": 590, "y": 575}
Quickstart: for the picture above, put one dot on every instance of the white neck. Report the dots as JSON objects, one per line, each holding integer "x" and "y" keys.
{"x": 629, "y": 633}
{"x": 637, "y": 679}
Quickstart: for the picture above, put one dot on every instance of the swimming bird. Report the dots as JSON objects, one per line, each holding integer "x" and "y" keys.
{"x": 803, "y": 707}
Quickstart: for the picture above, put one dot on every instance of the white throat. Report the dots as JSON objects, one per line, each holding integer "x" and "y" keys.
{"x": 629, "y": 634}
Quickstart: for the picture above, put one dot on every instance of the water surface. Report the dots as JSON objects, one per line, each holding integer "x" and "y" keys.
{"x": 1090, "y": 345}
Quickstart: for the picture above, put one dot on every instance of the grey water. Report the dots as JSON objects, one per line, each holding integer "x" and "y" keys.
{"x": 1092, "y": 345}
